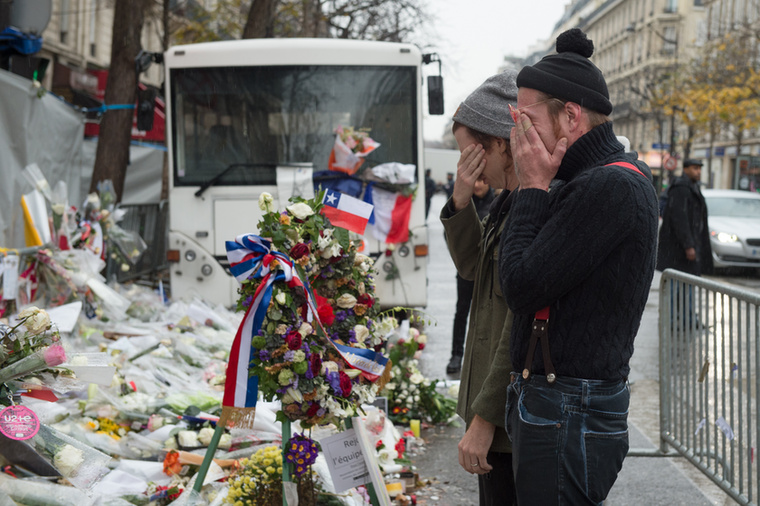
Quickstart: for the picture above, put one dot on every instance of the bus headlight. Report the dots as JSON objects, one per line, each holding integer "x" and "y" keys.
{"x": 190, "y": 255}
{"x": 206, "y": 270}
{"x": 404, "y": 251}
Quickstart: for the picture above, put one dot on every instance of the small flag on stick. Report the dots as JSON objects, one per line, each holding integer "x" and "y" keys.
{"x": 346, "y": 211}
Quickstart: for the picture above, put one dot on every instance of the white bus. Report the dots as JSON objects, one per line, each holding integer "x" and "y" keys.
{"x": 240, "y": 112}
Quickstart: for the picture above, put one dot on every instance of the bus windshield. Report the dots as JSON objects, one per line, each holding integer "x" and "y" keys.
{"x": 259, "y": 117}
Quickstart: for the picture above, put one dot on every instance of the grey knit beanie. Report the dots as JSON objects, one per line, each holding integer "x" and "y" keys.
{"x": 486, "y": 109}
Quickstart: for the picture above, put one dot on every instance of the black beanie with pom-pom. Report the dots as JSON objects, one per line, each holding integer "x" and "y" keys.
{"x": 569, "y": 74}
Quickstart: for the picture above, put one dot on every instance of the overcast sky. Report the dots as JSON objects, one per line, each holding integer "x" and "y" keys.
{"x": 472, "y": 39}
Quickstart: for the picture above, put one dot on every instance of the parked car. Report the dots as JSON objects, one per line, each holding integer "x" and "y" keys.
{"x": 734, "y": 220}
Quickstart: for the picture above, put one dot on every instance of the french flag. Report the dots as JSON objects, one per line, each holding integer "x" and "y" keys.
{"x": 346, "y": 212}
{"x": 390, "y": 219}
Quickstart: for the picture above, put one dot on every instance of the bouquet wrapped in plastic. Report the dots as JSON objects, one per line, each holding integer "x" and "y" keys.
{"x": 350, "y": 148}
{"x": 79, "y": 463}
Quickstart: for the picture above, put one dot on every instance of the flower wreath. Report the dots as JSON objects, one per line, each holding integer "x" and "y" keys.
{"x": 317, "y": 347}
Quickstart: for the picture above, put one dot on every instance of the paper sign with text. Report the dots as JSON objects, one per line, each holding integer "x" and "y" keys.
{"x": 345, "y": 460}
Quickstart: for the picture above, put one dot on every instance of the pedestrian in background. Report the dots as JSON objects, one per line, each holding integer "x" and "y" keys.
{"x": 448, "y": 186}
{"x": 429, "y": 190}
{"x": 684, "y": 242}
{"x": 482, "y": 197}
{"x": 576, "y": 265}
{"x": 684, "y": 236}
{"x": 482, "y": 127}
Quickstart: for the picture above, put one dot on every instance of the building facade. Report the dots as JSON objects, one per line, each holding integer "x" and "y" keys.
{"x": 639, "y": 43}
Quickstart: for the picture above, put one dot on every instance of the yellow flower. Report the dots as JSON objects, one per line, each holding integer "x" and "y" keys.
{"x": 271, "y": 470}
{"x": 284, "y": 219}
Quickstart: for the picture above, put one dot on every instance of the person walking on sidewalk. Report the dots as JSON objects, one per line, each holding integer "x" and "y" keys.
{"x": 684, "y": 236}
{"x": 482, "y": 128}
{"x": 684, "y": 241}
{"x": 576, "y": 265}
{"x": 482, "y": 197}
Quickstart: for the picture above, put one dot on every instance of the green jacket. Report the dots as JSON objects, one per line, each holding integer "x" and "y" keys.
{"x": 474, "y": 247}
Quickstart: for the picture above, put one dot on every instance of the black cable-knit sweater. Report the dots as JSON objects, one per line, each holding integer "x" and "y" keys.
{"x": 587, "y": 249}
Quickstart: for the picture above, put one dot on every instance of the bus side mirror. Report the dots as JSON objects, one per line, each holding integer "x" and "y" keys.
{"x": 435, "y": 95}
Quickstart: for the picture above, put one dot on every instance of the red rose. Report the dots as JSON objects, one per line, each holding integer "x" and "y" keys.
{"x": 420, "y": 346}
{"x": 315, "y": 362}
{"x": 345, "y": 384}
{"x": 325, "y": 311}
{"x": 313, "y": 408}
{"x": 293, "y": 340}
{"x": 299, "y": 250}
{"x": 365, "y": 299}
{"x": 400, "y": 448}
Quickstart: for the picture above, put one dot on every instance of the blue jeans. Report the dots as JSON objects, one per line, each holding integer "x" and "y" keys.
{"x": 569, "y": 438}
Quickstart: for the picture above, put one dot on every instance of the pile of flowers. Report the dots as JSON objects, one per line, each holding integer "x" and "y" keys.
{"x": 307, "y": 363}
{"x": 29, "y": 347}
{"x": 410, "y": 394}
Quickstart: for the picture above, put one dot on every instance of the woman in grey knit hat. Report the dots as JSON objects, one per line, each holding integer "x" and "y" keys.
{"x": 482, "y": 126}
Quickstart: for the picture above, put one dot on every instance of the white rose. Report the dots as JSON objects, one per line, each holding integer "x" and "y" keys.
{"x": 362, "y": 333}
{"x": 305, "y": 329}
{"x": 301, "y": 210}
{"x": 68, "y": 459}
{"x": 38, "y": 323}
{"x": 170, "y": 444}
{"x": 30, "y": 311}
{"x": 329, "y": 365}
{"x": 225, "y": 442}
{"x": 281, "y": 298}
{"x": 346, "y": 301}
{"x": 265, "y": 202}
{"x": 416, "y": 378}
{"x": 188, "y": 438}
{"x": 205, "y": 435}
{"x": 422, "y": 339}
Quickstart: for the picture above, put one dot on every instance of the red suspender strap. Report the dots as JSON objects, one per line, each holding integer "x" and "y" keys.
{"x": 627, "y": 166}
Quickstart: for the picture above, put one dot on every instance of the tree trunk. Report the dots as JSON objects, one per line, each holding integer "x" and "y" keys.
{"x": 260, "y": 23}
{"x": 112, "y": 156}
{"x": 312, "y": 19}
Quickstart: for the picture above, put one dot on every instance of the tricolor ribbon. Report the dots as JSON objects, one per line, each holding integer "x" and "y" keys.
{"x": 251, "y": 256}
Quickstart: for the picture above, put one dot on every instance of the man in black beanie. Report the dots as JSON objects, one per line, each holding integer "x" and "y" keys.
{"x": 576, "y": 264}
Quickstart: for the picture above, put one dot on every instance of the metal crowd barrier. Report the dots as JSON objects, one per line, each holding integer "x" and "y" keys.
{"x": 709, "y": 381}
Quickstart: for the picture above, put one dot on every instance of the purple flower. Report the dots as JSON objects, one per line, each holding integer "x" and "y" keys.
{"x": 264, "y": 355}
{"x": 288, "y": 357}
{"x": 334, "y": 379}
{"x": 247, "y": 301}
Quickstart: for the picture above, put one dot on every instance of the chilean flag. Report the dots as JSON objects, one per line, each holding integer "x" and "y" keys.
{"x": 346, "y": 212}
{"x": 390, "y": 219}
